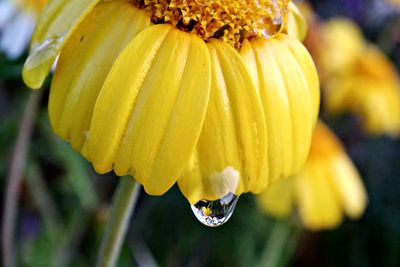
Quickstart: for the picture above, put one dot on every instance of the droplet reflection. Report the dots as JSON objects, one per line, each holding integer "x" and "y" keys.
{"x": 217, "y": 212}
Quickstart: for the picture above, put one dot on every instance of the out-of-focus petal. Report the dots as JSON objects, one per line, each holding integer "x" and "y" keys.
{"x": 370, "y": 89}
{"x": 278, "y": 200}
{"x": 349, "y": 187}
{"x": 16, "y": 35}
{"x": 7, "y": 11}
{"x": 328, "y": 186}
{"x": 319, "y": 207}
{"x": 339, "y": 44}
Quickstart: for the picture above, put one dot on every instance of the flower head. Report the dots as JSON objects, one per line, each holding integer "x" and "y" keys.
{"x": 211, "y": 94}
{"x": 328, "y": 187}
{"x": 17, "y": 20}
{"x": 357, "y": 77}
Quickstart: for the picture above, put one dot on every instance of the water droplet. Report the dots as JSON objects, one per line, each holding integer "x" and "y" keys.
{"x": 40, "y": 60}
{"x": 49, "y": 48}
{"x": 273, "y": 24}
{"x": 217, "y": 212}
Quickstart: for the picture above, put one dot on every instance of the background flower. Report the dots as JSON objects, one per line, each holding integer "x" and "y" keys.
{"x": 17, "y": 21}
{"x": 328, "y": 186}
{"x": 356, "y": 76}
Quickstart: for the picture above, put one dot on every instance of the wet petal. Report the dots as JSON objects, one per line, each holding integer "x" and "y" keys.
{"x": 83, "y": 66}
{"x": 287, "y": 85}
{"x": 231, "y": 152}
{"x": 150, "y": 110}
{"x": 57, "y": 21}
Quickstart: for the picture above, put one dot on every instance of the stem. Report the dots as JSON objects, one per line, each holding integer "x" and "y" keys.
{"x": 41, "y": 196}
{"x": 17, "y": 165}
{"x": 281, "y": 244}
{"x": 123, "y": 206}
{"x": 142, "y": 254}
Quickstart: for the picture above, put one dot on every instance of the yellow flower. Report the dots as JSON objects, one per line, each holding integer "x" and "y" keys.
{"x": 334, "y": 46}
{"x": 328, "y": 187}
{"x": 357, "y": 77}
{"x": 371, "y": 90}
{"x": 395, "y": 3}
{"x": 207, "y": 92}
{"x": 17, "y": 20}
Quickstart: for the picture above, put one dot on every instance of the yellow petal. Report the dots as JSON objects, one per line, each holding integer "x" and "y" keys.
{"x": 57, "y": 21}
{"x": 326, "y": 188}
{"x": 370, "y": 89}
{"x": 278, "y": 199}
{"x": 339, "y": 44}
{"x": 326, "y": 150}
{"x": 329, "y": 183}
{"x": 296, "y": 24}
{"x": 287, "y": 84}
{"x": 150, "y": 110}
{"x": 231, "y": 152}
{"x": 318, "y": 205}
{"x": 309, "y": 70}
{"x": 84, "y": 63}
{"x": 377, "y": 102}
{"x": 349, "y": 187}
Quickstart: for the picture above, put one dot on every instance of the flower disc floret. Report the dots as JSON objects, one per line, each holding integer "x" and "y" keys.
{"x": 230, "y": 21}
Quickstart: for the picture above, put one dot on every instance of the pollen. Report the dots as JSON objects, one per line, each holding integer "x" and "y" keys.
{"x": 228, "y": 20}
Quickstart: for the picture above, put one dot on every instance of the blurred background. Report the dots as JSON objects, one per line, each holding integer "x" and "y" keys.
{"x": 60, "y": 204}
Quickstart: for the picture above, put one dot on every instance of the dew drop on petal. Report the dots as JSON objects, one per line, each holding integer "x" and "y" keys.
{"x": 274, "y": 24}
{"x": 215, "y": 213}
{"x": 47, "y": 49}
{"x": 41, "y": 59}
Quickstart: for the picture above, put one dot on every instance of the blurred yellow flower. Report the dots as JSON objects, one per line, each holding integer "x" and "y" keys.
{"x": 371, "y": 90}
{"x": 338, "y": 45}
{"x": 356, "y": 77}
{"x": 395, "y": 3}
{"x": 17, "y": 20}
{"x": 221, "y": 101}
{"x": 328, "y": 187}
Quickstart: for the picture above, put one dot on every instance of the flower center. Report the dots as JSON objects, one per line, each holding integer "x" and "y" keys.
{"x": 229, "y": 20}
